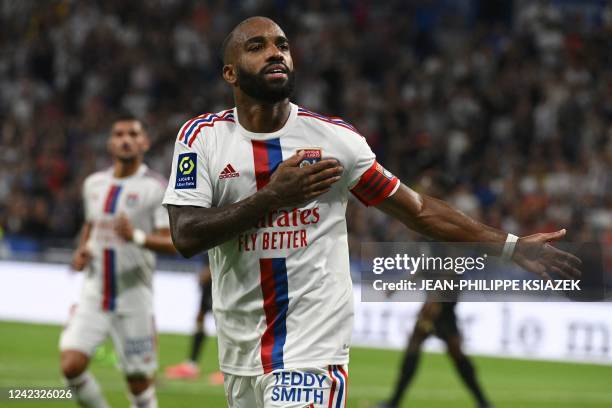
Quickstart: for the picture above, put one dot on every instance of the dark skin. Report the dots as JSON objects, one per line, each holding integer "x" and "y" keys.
{"x": 436, "y": 219}
{"x": 255, "y": 45}
{"x": 127, "y": 144}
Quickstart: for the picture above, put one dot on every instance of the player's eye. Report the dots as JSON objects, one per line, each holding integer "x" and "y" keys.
{"x": 283, "y": 46}
{"x": 255, "y": 47}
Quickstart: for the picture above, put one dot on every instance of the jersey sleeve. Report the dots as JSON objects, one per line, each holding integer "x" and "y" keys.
{"x": 86, "y": 204}
{"x": 160, "y": 214}
{"x": 370, "y": 182}
{"x": 160, "y": 218}
{"x": 190, "y": 183}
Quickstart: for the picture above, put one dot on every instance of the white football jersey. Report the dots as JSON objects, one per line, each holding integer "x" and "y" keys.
{"x": 282, "y": 295}
{"x": 119, "y": 277}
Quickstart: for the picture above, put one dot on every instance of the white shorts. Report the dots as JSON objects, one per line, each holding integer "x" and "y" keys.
{"x": 133, "y": 335}
{"x": 299, "y": 388}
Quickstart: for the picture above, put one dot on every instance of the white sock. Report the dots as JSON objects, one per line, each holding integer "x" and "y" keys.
{"x": 146, "y": 399}
{"x": 87, "y": 391}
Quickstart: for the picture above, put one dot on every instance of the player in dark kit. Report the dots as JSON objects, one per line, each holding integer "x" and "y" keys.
{"x": 439, "y": 319}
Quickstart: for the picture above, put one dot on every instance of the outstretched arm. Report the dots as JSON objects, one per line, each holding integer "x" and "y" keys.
{"x": 436, "y": 219}
{"x": 196, "y": 229}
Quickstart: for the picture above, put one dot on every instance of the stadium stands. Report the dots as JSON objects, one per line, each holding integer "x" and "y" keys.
{"x": 506, "y": 112}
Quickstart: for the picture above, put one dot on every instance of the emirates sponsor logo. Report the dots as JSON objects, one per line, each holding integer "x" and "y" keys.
{"x": 228, "y": 172}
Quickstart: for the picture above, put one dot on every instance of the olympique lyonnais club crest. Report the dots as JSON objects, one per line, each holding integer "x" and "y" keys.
{"x": 131, "y": 200}
{"x": 311, "y": 155}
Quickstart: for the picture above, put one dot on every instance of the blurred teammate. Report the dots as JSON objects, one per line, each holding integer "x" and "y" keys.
{"x": 264, "y": 187}
{"x": 439, "y": 319}
{"x": 124, "y": 224}
{"x": 190, "y": 369}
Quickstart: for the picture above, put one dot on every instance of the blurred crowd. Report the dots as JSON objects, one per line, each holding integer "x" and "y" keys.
{"x": 505, "y": 111}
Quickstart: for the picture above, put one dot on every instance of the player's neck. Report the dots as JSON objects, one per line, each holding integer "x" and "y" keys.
{"x": 262, "y": 118}
{"x": 126, "y": 168}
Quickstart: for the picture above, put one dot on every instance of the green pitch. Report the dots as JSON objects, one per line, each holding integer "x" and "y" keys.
{"x": 29, "y": 358}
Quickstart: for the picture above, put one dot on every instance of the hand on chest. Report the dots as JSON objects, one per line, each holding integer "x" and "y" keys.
{"x": 246, "y": 166}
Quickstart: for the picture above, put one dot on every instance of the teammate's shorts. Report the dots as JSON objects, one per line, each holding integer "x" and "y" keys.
{"x": 206, "y": 299}
{"x": 133, "y": 335}
{"x": 300, "y": 388}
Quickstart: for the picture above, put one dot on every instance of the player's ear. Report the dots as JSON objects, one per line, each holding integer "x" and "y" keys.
{"x": 229, "y": 74}
{"x": 145, "y": 144}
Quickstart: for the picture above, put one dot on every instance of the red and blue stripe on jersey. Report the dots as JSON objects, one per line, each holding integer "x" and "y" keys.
{"x": 275, "y": 290}
{"x": 334, "y": 120}
{"x": 190, "y": 130}
{"x": 109, "y": 278}
{"x": 112, "y": 198}
{"x": 267, "y": 155}
{"x": 109, "y": 290}
{"x": 338, "y": 376}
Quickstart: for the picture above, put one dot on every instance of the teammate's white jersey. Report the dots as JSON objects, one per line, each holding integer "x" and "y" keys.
{"x": 282, "y": 295}
{"x": 119, "y": 277}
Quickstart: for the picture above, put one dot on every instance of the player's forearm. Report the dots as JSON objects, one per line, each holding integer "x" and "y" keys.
{"x": 84, "y": 235}
{"x": 197, "y": 229}
{"x": 438, "y": 220}
{"x": 160, "y": 243}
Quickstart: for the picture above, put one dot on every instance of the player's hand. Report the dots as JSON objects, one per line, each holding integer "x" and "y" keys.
{"x": 535, "y": 254}
{"x": 295, "y": 185}
{"x": 80, "y": 258}
{"x": 124, "y": 228}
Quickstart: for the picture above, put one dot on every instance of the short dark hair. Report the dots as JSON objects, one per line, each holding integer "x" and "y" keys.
{"x": 224, "y": 45}
{"x": 228, "y": 39}
{"x": 128, "y": 117}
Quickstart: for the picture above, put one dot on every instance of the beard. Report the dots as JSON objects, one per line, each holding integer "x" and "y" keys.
{"x": 257, "y": 87}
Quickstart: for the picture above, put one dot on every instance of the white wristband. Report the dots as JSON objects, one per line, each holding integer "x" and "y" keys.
{"x": 139, "y": 237}
{"x": 509, "y": 247}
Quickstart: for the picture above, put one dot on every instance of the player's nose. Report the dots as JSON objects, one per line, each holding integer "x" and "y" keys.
{"x": 275, "y": 54}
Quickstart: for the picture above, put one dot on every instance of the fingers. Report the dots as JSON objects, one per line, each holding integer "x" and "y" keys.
{"x": 552, "y": 236}
{"x": 335, "y": 171}
{"x": 565, "y": 270}
{"x": 320, "y": 166}
{"x": 315, "y": 194}
{"x": 565, "y": 256}
{"x": 122, "y": 219}
{"x": 534, "y": 266}
{"x": 564, "y": 262}
{"x": 325, "y": 183}
{"x": 293, "y": 161}
{"x": 328, "y": 174}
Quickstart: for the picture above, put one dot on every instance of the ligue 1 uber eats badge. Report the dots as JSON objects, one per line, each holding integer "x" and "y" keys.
{"x": 311, "y": 156}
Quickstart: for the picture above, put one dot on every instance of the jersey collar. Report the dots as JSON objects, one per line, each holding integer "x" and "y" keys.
{"x": 265, "y": 136}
